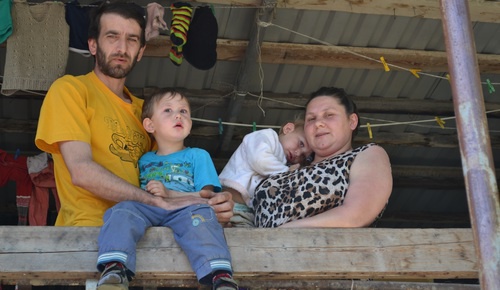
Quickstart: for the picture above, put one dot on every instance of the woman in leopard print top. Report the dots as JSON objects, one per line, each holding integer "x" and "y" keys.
{"x": 342, "y": 187}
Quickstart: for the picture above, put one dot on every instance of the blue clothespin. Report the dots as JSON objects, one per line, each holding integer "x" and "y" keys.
{"x": 18, "y": 152}
{"x": 221, "y": 129}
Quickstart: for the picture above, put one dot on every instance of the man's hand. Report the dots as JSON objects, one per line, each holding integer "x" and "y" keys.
{"x": 157, "y": 188}
{"x": 173, "y": 203}
{"x": 221, "y": 202}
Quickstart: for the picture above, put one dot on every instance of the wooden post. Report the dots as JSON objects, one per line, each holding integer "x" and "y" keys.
{"x": 248, "y": 69}
{"x": 474, "y": 140}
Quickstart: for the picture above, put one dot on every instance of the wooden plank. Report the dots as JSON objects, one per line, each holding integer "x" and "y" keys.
{"x": 353, "y": 284}
{"x": 39, "y": 253}
{"x": 331, "y": 56}
{"x": 216, "y": 98}
{"x": 277, "y": 284}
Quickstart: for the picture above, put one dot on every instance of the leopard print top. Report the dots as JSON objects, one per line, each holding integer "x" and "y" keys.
{"x": 304, "y": 192}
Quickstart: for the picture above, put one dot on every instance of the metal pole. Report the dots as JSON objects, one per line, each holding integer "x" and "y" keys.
{"x": 474, "y": 140}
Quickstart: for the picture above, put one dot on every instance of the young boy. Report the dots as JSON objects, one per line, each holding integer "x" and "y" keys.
{"x": 262, "y": 153}
{"x": 174, "y": 172}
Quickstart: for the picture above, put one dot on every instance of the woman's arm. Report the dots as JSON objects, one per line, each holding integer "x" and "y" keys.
{"x": 370, "y": 185}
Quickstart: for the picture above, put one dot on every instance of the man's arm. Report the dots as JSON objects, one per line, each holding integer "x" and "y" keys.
{"x": 88, "y": 174}
{"x": 221, "y": 202}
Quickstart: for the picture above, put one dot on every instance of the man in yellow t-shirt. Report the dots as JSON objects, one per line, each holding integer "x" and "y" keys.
{"x": 91, "y": 126}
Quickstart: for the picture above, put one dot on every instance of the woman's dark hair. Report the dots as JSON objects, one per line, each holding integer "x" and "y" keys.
{"x": 342, "y": 97}
{"x": 124, "y": 9}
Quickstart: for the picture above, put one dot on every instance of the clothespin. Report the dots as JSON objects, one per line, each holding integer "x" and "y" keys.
{"x": 448, "y": 77}
{"x": 221, "y": 128}
{"x": 212, "y": 8}
{"x": 254, "y": 127}
{"x": 440, "y": 122}
{"x": 370, "y": 134}
{"x": 491, "y": 89}
{"x": 415, "y": 71}
{"x": 386, "y": 66}
{"x": 18, "y": 152}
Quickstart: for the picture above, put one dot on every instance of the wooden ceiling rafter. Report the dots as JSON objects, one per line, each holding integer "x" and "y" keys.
{"x": 297, "y": 101}
{"x": 201, "y": 131}
{"x": 248, "y": 68}
{"x": 331, "y": 56}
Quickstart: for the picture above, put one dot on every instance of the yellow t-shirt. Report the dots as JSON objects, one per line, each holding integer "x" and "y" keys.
{"x": 83, "y": 109}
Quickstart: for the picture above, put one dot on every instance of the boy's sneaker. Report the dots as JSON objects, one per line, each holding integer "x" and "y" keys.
{"x": 224, "y": 282}
{"x": 114, "y": 277}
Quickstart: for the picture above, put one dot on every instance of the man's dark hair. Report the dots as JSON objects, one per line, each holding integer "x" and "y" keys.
{"x": 342, "y": 97}
{"x": 124, "y": 9}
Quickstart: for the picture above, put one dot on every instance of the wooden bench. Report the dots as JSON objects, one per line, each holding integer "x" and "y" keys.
{"x": 262, "y": 258}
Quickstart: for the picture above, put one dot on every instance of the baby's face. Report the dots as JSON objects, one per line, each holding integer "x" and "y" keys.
{"x": 295, "y": 146}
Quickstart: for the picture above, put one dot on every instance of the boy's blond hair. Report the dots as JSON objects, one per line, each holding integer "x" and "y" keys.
{"x": 298, "y": 122}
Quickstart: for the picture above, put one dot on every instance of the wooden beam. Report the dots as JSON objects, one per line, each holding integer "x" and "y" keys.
{"x": 422, "y": 284}
{"x": 406, "y": 219}
{"x": 248, "y": 69}
{"x": 331, "y": 56}
{"x": 294, "y": 101}
{"x": 201, "y": 130}
{"x": 39, "y": 253}
{"x": 480, "y": 10}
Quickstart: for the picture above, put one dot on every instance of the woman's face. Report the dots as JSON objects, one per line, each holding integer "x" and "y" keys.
{"x": 328, "y": 128}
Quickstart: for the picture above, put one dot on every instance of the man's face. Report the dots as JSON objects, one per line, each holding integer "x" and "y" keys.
{"x": 118, "y": 47}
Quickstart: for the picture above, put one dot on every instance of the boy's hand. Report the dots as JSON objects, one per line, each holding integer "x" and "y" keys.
{"x": 221, "y": 202}
{"x": 157, "y": 188}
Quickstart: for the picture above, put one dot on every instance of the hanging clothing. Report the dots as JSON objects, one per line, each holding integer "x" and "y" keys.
{"x": 44, "y": 185}
{"x": 15, "y": 169}
{"x": 78, "y": 20}
{"x": 5, "y": 20}
{"x": 37, "y": 50}
{"x": 155, "y": 21}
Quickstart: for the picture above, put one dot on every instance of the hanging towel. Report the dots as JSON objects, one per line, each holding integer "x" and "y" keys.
{"x": 155, "y": 21}
{"x": 37, "y": 50}
{"x": 5, "y": 20}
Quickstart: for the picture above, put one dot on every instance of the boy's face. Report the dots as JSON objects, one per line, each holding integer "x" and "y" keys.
{"x": 294, "y": 144}
{"x": 171, "y": 120}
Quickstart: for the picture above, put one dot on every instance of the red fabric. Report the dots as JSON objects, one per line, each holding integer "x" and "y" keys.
{"x": 44, "y": 182}
{"x": 16, "y": 169}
